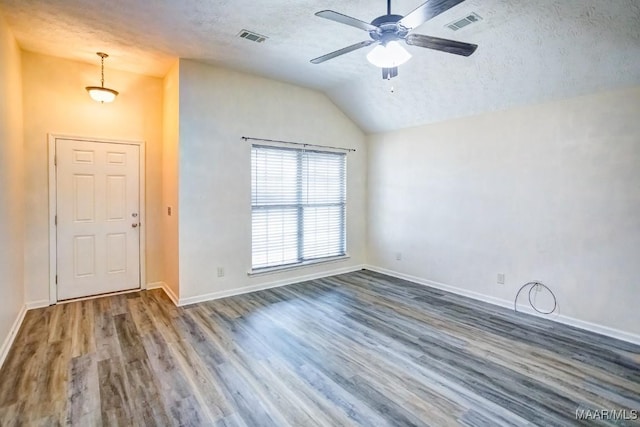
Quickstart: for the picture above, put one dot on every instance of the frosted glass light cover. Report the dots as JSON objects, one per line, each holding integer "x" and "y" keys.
{"x": 102, "y": 94}
{"x": 388, "y": 56}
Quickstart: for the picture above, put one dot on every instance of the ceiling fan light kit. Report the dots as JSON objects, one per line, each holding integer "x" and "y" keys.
{"x": 100, "y": 93}
{"x": 389, "y": 55}
{"x": 387, "y": 30}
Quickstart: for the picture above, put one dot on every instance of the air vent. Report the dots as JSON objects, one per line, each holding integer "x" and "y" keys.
{"x": 467, "y": 20}
{"x": 250, "y": 35}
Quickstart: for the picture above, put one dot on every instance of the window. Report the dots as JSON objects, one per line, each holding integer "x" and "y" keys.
{"x": 298, "y": 203}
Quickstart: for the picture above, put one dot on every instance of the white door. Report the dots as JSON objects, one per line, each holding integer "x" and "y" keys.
{"x": 98, "y": 240}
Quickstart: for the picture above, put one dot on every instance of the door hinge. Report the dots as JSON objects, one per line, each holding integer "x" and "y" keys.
{"x": 55, "y": 160}
{"x": 56, "y": 279}
{"x": 55, "y": 220}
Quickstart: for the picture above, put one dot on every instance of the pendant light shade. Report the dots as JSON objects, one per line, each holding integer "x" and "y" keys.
{"x": 100, "y": 93}
{"x": 389, "y": 55}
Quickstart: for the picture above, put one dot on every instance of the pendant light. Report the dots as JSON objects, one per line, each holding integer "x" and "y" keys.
{"x": 101, "y": 93}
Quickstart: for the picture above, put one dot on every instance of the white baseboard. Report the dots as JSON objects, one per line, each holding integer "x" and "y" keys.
{"x": 262, "y": 286}
{"x": 167, "y": 290}
{"x": 571, "y": 321}
{"x": 37, "y": 304}
{"x": 155, "y": 285}
{"x": 13, "y": 332}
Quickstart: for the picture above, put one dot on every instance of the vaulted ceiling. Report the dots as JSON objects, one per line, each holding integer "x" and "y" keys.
{"x": 529, "y": 51}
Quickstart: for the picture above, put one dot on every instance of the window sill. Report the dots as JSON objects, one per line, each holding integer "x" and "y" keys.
{"x": 279, "y": 269}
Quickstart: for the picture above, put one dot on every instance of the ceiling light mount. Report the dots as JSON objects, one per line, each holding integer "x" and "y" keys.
{"x": 100, "y": 93}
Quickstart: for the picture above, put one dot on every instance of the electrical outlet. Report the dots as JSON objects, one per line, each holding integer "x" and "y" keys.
{"x": 398, "y": 256}
{"x": 220, "y": 271}
{"x": 501, "y": 278}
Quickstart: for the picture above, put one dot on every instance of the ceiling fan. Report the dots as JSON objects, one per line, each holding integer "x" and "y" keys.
{"x": 387, "y": 30}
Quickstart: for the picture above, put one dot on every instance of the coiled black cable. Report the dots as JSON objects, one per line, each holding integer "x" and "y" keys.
{"x": 535, "y": 285}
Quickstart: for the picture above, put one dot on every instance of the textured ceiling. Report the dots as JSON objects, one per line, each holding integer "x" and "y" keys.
{"x": 529, "y": 51}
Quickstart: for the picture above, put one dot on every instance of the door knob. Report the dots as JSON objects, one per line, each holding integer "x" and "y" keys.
{"x": 134, "y": 225}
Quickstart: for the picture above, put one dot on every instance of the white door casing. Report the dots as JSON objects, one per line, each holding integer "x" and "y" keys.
{"x": 98, "y": 217}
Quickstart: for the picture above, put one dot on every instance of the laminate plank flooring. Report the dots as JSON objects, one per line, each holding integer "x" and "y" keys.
{"x": 358, "y": 349}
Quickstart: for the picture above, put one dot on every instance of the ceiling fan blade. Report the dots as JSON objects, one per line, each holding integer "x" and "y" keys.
{"x": 444, "y": 45}
{"x": 342, "y": 51}
{"x": 428, "y": 10}
{"x": 344, "y": 19}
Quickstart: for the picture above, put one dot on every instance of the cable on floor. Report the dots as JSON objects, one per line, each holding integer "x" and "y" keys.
{"x": 532, "y": 286}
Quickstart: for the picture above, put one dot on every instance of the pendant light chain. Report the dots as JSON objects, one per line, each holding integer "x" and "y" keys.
{"x": 101, "y": 93}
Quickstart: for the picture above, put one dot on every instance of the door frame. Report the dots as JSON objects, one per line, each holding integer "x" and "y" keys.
{"x": 53, "y": 207}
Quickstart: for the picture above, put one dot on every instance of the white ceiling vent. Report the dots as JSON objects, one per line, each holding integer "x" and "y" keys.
{"x": 467, "y": 20}
{"x": 250, "y": 35}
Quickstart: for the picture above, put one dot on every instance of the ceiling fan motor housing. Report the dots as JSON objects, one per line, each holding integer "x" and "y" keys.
{"x": 388, "y": 29}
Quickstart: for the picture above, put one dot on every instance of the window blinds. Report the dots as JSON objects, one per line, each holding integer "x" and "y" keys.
{"x": 298, "y": 201}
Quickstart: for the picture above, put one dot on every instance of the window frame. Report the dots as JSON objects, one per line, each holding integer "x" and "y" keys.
{"x": 300, "y": 207}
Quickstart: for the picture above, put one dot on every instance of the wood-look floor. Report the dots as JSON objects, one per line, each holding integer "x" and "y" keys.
{"x": 355, "y": 349}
